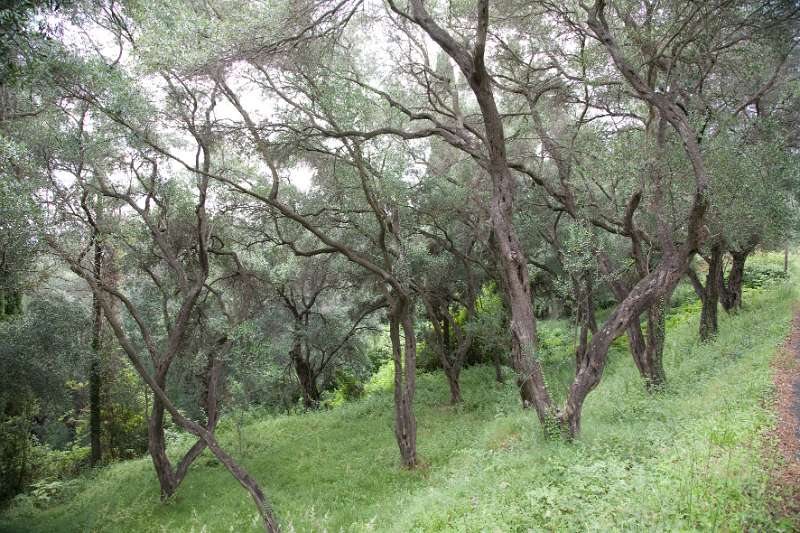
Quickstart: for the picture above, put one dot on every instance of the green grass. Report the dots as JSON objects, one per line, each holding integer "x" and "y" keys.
{"x": 690, "y": 458}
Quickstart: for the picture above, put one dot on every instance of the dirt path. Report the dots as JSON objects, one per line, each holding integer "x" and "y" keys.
{"x": 787, "y": 433}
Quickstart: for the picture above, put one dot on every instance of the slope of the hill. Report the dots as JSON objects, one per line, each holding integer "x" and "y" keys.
{"x": 688, "y": 458}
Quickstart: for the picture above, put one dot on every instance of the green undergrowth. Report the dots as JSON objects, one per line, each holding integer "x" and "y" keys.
{"x": 688, "y": 458}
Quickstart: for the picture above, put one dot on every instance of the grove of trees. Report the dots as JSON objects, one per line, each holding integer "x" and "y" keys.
{"x": 221, "y": 205}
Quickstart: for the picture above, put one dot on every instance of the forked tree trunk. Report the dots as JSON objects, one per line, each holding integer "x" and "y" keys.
{"x": 445, "y": 331}
{"x": 205, "y": 436}
{"x": 163, "y": 357}
{"x": 404, "y": 355}
{"x": 642, "y": 296}
{"x": 157, "y": 446}
{"x": 169, "y": 477}
{"x": 512, "y": 258}
{"x": 647, "y": 352}
{"x": 648, "y": 355}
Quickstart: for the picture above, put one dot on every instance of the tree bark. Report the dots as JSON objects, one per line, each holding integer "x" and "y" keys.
{"x": 206, "y": 436}
{"x": 453, "y": 376}
{"x": 445, "y": 331}
{"x": 731, "y": 289}
{"x": 655, "y": 377}
{"x": 638, "y": 348}
{"x": 708, "y": 316}
{"x": 512, "y": 260}
{"x": 191, "y": 283}
{"x": 513, "y": 263}
{"x": 170, "y": 477}
{"x": 647, "y": 351}
{"x": 305, "y": 376}
{"x": 405, "y": 363}
{"x": 95, "y": 378}
{"x": 660, "y": 282}
{"x": 156, "y": 443}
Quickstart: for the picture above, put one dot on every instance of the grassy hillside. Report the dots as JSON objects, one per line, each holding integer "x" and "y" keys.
{"x": 689, "y": 458}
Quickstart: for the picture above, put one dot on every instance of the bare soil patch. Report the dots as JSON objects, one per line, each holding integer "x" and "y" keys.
{"x": 786, "y": 436}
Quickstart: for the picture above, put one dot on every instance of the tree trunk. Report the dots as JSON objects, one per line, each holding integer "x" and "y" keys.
{"x": 305, "y": 375}
{"x": 95, "y": 425}
{"x": 646, "y": 352}
{"x": 453, "y": 375}
{"x": 786, "y": 258}
{"x": 170, "y": 478}
{"x": 205, "y": 435}
{"x": 268, "y": 519}
{"x": 156, "y": 444}
{"x": 583, "y": 287}
{"x": 726, "y": 296}
{"x": 514, "y": 273}
{"x": 655, "y": 377}
{"x": 405, "y": 363}
{"x": 733, "y": 288}
{"x": 697, "y": 285}
{"x": 638, "y": 348}
{"x": 498, "y": 368}
{"x": 643, "y": 295}
{"x": 512, "y": 258}
{"x": 513, "y": 263}
{"x": 445, "y": 331}
{"x": 95, "y": 428}
{"x": 708, "y": 316}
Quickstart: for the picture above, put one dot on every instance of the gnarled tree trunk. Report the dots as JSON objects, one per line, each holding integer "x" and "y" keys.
{"x": 655, "y": 376}
{"x": 205, "y": 435}
{"x": 305, "y": 375}
{"x": 169, "y": 477}
{"x": 512, "y": 261}
{"x": 708, "y": 315}
{"x": 157, "y": 446}
{"x": 642, "y": 296}
{"x": 731, "y": 289}
{"x": 647, "y": 351}
{"x": 404, "y": 355}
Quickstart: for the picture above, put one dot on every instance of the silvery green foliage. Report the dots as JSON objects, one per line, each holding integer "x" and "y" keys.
{"x": 188, "y": 35}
